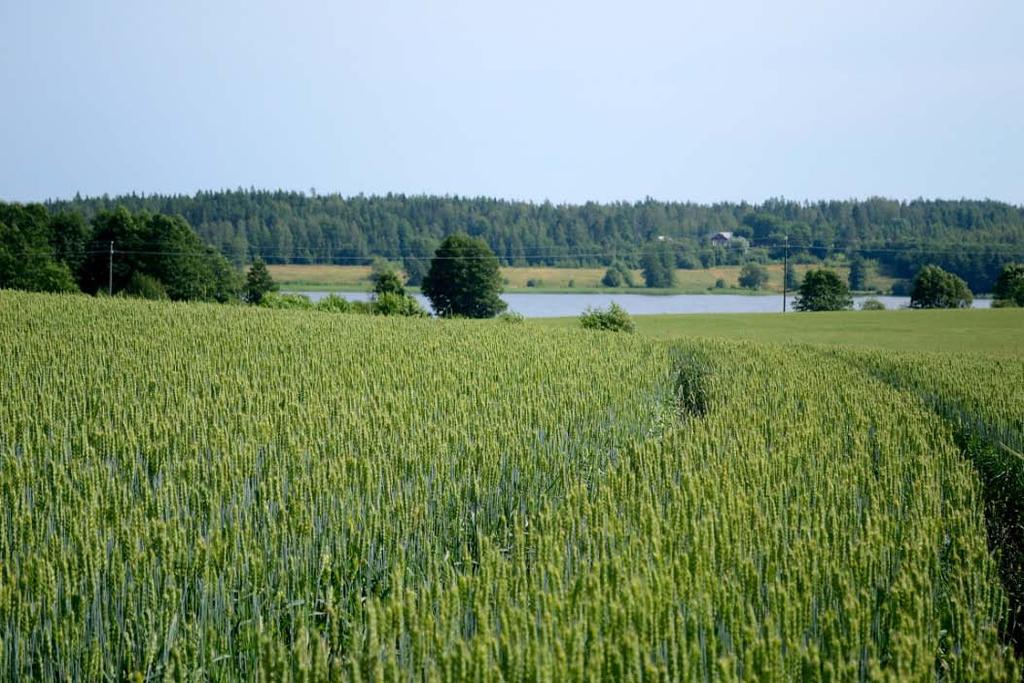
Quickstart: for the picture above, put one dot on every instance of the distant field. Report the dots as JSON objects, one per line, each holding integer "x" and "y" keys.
{"x": 995, "y": 332}
{"x": 354, "y": 278}
{"x": 327, "y": 276}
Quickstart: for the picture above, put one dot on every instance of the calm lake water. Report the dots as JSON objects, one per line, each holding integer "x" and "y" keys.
{"x": 561, "y": 305}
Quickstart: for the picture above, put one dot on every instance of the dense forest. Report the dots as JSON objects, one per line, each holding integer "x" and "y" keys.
{"x": 156, "y": 256}
{"x": 971, "y": 238}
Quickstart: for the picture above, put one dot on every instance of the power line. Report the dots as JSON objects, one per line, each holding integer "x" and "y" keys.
{"x": 304, "y": 254}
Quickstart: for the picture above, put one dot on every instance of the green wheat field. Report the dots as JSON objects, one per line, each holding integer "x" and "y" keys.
{"x": 199, "y": 492}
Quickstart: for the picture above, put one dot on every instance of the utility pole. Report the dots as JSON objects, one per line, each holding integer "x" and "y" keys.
{"x": 785, "y": 274}
{"x": 110, "y": 271}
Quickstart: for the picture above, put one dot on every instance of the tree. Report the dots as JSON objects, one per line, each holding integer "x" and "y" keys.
{"x": 753, "y": 276}
{"x": 617, "y": 275}
{"x": 160, "y": 246}
{"x": 858, "y": 274}
{"x": 614, "y": 319}
{"x": 935, "y": 288}
{"x": 415, "y": 271}
{"x": 387, "y": 282}
{"x": 69, "y": 237}
{"x": 658, "y": 263}
{"x": 900, "y": 236}
{"x": 612, "y": 277}
{"x": 258, "y": 282}
{"x": 27, "y": 255}
{"x": 464, "y": 279}
{"x": 1009, "y": 289}
{"x": 822, "y": 290}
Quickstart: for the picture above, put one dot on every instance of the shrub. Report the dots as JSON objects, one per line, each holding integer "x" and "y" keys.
{"x": 334, "y": 304}
{"x": 534, "y": 282}
{"x": 361, "y": 307}
{"x": 286, "y": 301}
{"x": 720, "y": 283}
{"x": 511, "y": 317}
{"x": 753, "y": 276}
{"x": 872, "y": 305}
{"x": 397, "y": 304}
{"x": 614, "y": 319}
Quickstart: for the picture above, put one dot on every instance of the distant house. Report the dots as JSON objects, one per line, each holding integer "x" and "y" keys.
{"x": 721, "y": 239}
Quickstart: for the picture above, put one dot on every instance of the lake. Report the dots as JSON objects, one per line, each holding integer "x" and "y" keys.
{"x": 562, "y": 305}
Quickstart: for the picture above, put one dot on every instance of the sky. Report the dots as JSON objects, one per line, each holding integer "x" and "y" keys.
{"x": 538, "y": 100}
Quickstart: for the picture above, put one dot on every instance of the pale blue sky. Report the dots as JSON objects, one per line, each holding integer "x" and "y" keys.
{"x": 566, "y": 101}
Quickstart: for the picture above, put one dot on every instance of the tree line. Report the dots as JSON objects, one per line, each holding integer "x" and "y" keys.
{"x": 116, "y": 251}
{"x": 156, "y": 256}
{"x": 972, "y": 238}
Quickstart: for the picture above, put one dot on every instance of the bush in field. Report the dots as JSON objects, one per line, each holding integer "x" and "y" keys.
{"x": 397, "y": 304}
{"x": 511, "y": 317}
{"x": 822, "y": 290}
{"x": 286, "y": 301}
{"x": 753, "y": 276}
{"x": 332, "y": 303}
{"x": 613, "y": 319}
{"x": 936, "y": 288}
{"x": 872, "y": 305}
{"x": 1009, "y": 289}
{"x": 361, "y": 307}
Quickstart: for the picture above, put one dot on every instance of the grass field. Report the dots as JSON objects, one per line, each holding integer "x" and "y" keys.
{"x": 210, "y": 492}
{"x": 993, "y": 331}
{"x": 355, "y": 278}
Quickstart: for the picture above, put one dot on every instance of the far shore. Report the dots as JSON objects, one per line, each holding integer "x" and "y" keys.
{"x": 550, "y": 280}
